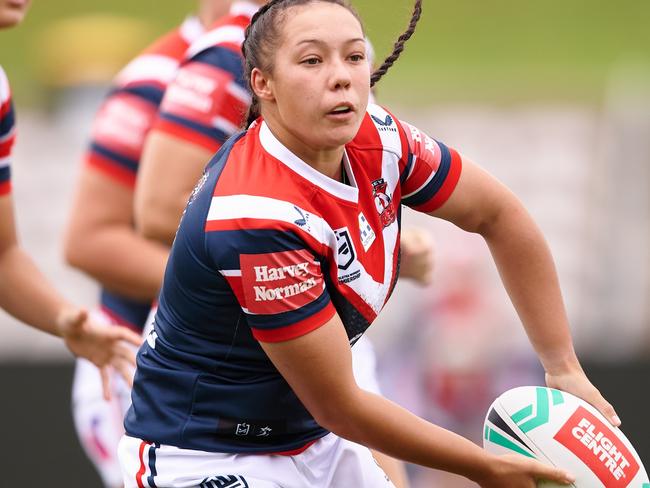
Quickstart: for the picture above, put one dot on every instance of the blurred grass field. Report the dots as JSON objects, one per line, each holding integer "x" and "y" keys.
{"x": 463, "y": 51}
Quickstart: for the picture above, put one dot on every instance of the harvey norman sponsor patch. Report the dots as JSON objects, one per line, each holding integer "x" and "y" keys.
{"x": 599, "y": 448}
{"x": 280, "y": 281}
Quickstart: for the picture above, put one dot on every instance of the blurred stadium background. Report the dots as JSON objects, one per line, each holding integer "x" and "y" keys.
{"x": 552, "y": 97}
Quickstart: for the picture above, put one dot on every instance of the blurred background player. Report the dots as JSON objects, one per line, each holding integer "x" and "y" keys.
{"x": 24, "y": 291}
{"x": 202, "y": 107}
{"x": 101, "y": 240}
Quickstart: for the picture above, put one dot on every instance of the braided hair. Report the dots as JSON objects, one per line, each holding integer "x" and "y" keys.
{"x": 262, "y": 35}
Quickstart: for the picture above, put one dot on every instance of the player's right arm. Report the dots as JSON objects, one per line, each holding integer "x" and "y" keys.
{"x": 318, "y": 367}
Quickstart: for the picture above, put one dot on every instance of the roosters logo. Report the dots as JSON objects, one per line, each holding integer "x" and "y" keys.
{"x": 383, "y": 202}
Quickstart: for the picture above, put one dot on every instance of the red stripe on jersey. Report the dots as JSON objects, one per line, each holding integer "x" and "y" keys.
{"x": 171, "y": 44}
{"x": 5, "y": 187}
{"x": 6, "y": 145}
{"x": 294, "y": 452}
{"x": 186, "y": 135}
{"x": 443, "y": 194}
{"x": 298, "y": 329}
{"x": 115, "y": 171}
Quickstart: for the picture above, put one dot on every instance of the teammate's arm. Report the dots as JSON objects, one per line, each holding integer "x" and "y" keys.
{"x": 483, "y": 205}
{"x": 318, "y": 367}
{"x": 169, "y": 169}
{"x": 101, "y": 240}
{"x": 27, "y": 295}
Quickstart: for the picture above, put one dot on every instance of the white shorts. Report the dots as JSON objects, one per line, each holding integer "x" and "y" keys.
{"x": 331, "y": 462}
{"x": 99, "y": 424}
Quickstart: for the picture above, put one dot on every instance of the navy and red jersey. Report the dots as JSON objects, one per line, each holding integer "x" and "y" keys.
{"x": 7, "y": 133}
{"x": 207, "y": 101}
{"x": 121, "y": 127}
{"x": 270, "y": 258}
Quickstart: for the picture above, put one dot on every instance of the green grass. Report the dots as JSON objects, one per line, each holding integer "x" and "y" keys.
{"x": 463, "y": 50}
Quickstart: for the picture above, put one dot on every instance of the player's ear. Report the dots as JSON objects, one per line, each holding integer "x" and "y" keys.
{"x": 261, "y": 85}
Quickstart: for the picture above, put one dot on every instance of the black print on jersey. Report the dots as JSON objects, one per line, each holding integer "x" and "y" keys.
{"x": 386, "y": 122}
{"x": 346, "y": 253}
{"x": 302, "y": 221}
{"x": 228, "y": 481}
{"x": 385, "y": 125}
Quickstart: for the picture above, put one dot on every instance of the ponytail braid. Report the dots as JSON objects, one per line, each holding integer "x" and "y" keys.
{"x": 399, "y": 45}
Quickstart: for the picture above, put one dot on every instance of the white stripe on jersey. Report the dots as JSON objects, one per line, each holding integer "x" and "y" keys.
{"x": 228, "y": 33}
{"x": 155, "y": 67}
{"x": 224, "y": 125}
{"x": 230, "y": 272}
{"x": 426, "y": 182}
{"x": 191, "y": 29}
{"x": 8, "y": 135}
{"x": 4, "y": 162}
{"x": 5, "y": 92}
{"x": 276, "y": 149}
{"x": 244, "y": 8}
{"x": 240, "y": 93}
{"x": 255, "y": 207}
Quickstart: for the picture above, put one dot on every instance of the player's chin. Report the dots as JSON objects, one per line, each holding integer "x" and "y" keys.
{"x": 341, "y": 134}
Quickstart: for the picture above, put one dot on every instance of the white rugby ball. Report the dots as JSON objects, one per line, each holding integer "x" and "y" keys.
{"x": 562, "y": 430}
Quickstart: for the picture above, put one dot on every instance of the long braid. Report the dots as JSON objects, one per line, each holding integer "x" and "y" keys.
{"x": 399, "y": 45}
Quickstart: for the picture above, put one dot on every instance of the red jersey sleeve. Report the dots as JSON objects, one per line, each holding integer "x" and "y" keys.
{"x": 431, "y": 173}
{"x": 208, "y": 100}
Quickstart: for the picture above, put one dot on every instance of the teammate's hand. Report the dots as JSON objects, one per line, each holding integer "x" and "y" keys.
{"x": 105, "y": 346}
{"x": 417, "y": 260}
{"x": 577, "y": 383}
{"x": 516, "y": 471}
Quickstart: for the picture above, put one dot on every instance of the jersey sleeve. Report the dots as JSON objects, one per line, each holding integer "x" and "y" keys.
{"x": 7, "y": 134}
{"x": 207, "y": 101}
{"x": 120, "y": 129}
{"x": 275, "y": 275}
{"x": 431, "y": 172}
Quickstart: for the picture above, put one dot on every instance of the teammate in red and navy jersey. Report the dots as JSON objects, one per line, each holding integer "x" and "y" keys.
{"x": 24, "y": 291}
{"x": 101, "y": 239}
{"x": 203, "y": 106}
{"x": 286, "y": 253}
{"x": 7, "y": 133}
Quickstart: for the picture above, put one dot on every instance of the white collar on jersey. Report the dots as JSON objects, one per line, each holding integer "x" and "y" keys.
{"x": 244, "y": 8}
{"x": 279, "y": 151}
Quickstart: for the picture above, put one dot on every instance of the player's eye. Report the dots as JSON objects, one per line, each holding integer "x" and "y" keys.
{"x": 356, "y": 57}
{"x": 311, "y": 61}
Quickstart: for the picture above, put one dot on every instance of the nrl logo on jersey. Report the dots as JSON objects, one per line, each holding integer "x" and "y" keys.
{"x": 385, "y": 125}
{"x": 383, "y": 202}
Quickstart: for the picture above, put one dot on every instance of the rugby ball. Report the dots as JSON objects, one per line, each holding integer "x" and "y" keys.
{"x": 562, "y": 430}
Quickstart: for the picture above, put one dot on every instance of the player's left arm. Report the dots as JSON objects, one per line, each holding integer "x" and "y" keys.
{"x": 481, "y": 204}
{"x": 27, "y": 295}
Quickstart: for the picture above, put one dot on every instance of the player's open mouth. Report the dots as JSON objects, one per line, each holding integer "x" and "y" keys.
{"x": 341, "y": 109}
